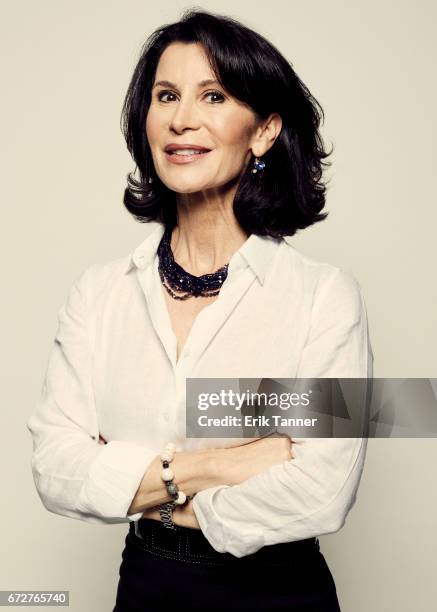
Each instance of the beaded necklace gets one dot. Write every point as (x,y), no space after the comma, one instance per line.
(175,278)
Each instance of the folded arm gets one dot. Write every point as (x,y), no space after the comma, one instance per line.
(76,471)
(75,476)
(311,494)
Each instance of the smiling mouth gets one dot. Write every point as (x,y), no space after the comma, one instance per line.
(187,152)
(185,156)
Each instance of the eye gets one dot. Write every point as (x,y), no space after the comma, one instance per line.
(217,94)
(164,93)
(162,96)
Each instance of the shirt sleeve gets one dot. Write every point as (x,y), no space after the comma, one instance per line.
(74,475)
(311,494)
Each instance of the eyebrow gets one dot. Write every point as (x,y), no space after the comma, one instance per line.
(172,85)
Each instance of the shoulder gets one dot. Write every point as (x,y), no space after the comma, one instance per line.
(97,277)
(326,282)
(109,274)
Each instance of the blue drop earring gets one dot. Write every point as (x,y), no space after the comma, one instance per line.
(258,165)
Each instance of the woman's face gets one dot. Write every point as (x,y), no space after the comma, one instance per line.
(187,110)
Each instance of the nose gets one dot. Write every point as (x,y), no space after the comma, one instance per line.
(185,116)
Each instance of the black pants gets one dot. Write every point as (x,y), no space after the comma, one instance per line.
(163,569)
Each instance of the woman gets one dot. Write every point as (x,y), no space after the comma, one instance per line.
(225,138)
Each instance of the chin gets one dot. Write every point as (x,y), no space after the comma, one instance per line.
(188,187)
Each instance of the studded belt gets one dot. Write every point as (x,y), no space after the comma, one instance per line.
(191,546)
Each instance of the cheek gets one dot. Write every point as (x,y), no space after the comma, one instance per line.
(152,128)
(234,134)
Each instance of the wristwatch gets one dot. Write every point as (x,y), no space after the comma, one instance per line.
(166,513)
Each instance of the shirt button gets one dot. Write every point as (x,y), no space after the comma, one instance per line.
(187,353)
(165,416)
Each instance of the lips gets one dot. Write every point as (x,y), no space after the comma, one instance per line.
(190,156)
(185,149)
(186,152)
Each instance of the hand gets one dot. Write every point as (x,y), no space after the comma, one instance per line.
(182,515)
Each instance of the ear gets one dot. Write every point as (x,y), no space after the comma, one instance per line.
(266,134)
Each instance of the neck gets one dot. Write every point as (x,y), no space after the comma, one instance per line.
(207,233)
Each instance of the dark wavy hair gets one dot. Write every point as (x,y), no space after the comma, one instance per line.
(289,193)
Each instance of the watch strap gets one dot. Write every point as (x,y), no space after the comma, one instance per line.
(166,513)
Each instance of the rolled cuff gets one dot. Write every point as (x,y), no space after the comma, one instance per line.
(113,480)
(222,539)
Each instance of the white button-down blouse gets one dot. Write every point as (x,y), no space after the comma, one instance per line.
(112,371)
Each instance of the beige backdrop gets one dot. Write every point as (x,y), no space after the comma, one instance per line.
(371,64)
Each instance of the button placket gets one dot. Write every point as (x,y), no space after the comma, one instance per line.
(182,372)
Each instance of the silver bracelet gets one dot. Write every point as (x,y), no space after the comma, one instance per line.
(166,513)
(179,497)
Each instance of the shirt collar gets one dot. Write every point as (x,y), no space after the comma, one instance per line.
(256,251)
(145,252)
